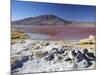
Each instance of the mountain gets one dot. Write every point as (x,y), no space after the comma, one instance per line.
(41,20)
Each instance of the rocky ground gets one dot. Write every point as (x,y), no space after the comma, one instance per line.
(32,56)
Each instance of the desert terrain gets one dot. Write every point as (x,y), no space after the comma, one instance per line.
(37,45)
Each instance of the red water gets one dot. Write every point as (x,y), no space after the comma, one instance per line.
(61,32)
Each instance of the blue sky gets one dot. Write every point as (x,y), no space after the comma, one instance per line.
(21,9)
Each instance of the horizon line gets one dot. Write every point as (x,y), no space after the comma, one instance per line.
(50,14)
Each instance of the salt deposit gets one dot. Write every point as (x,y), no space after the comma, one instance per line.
(47,56)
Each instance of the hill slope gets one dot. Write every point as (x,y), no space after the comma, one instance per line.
(42,20)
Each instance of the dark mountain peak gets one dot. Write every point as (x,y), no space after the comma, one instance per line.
(49,17)
(42,20)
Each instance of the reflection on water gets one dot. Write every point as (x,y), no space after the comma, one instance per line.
(38,36)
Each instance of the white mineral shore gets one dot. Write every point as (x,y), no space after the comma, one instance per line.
(36,63)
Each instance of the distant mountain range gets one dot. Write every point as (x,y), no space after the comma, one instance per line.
(42,20)
(48,20)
